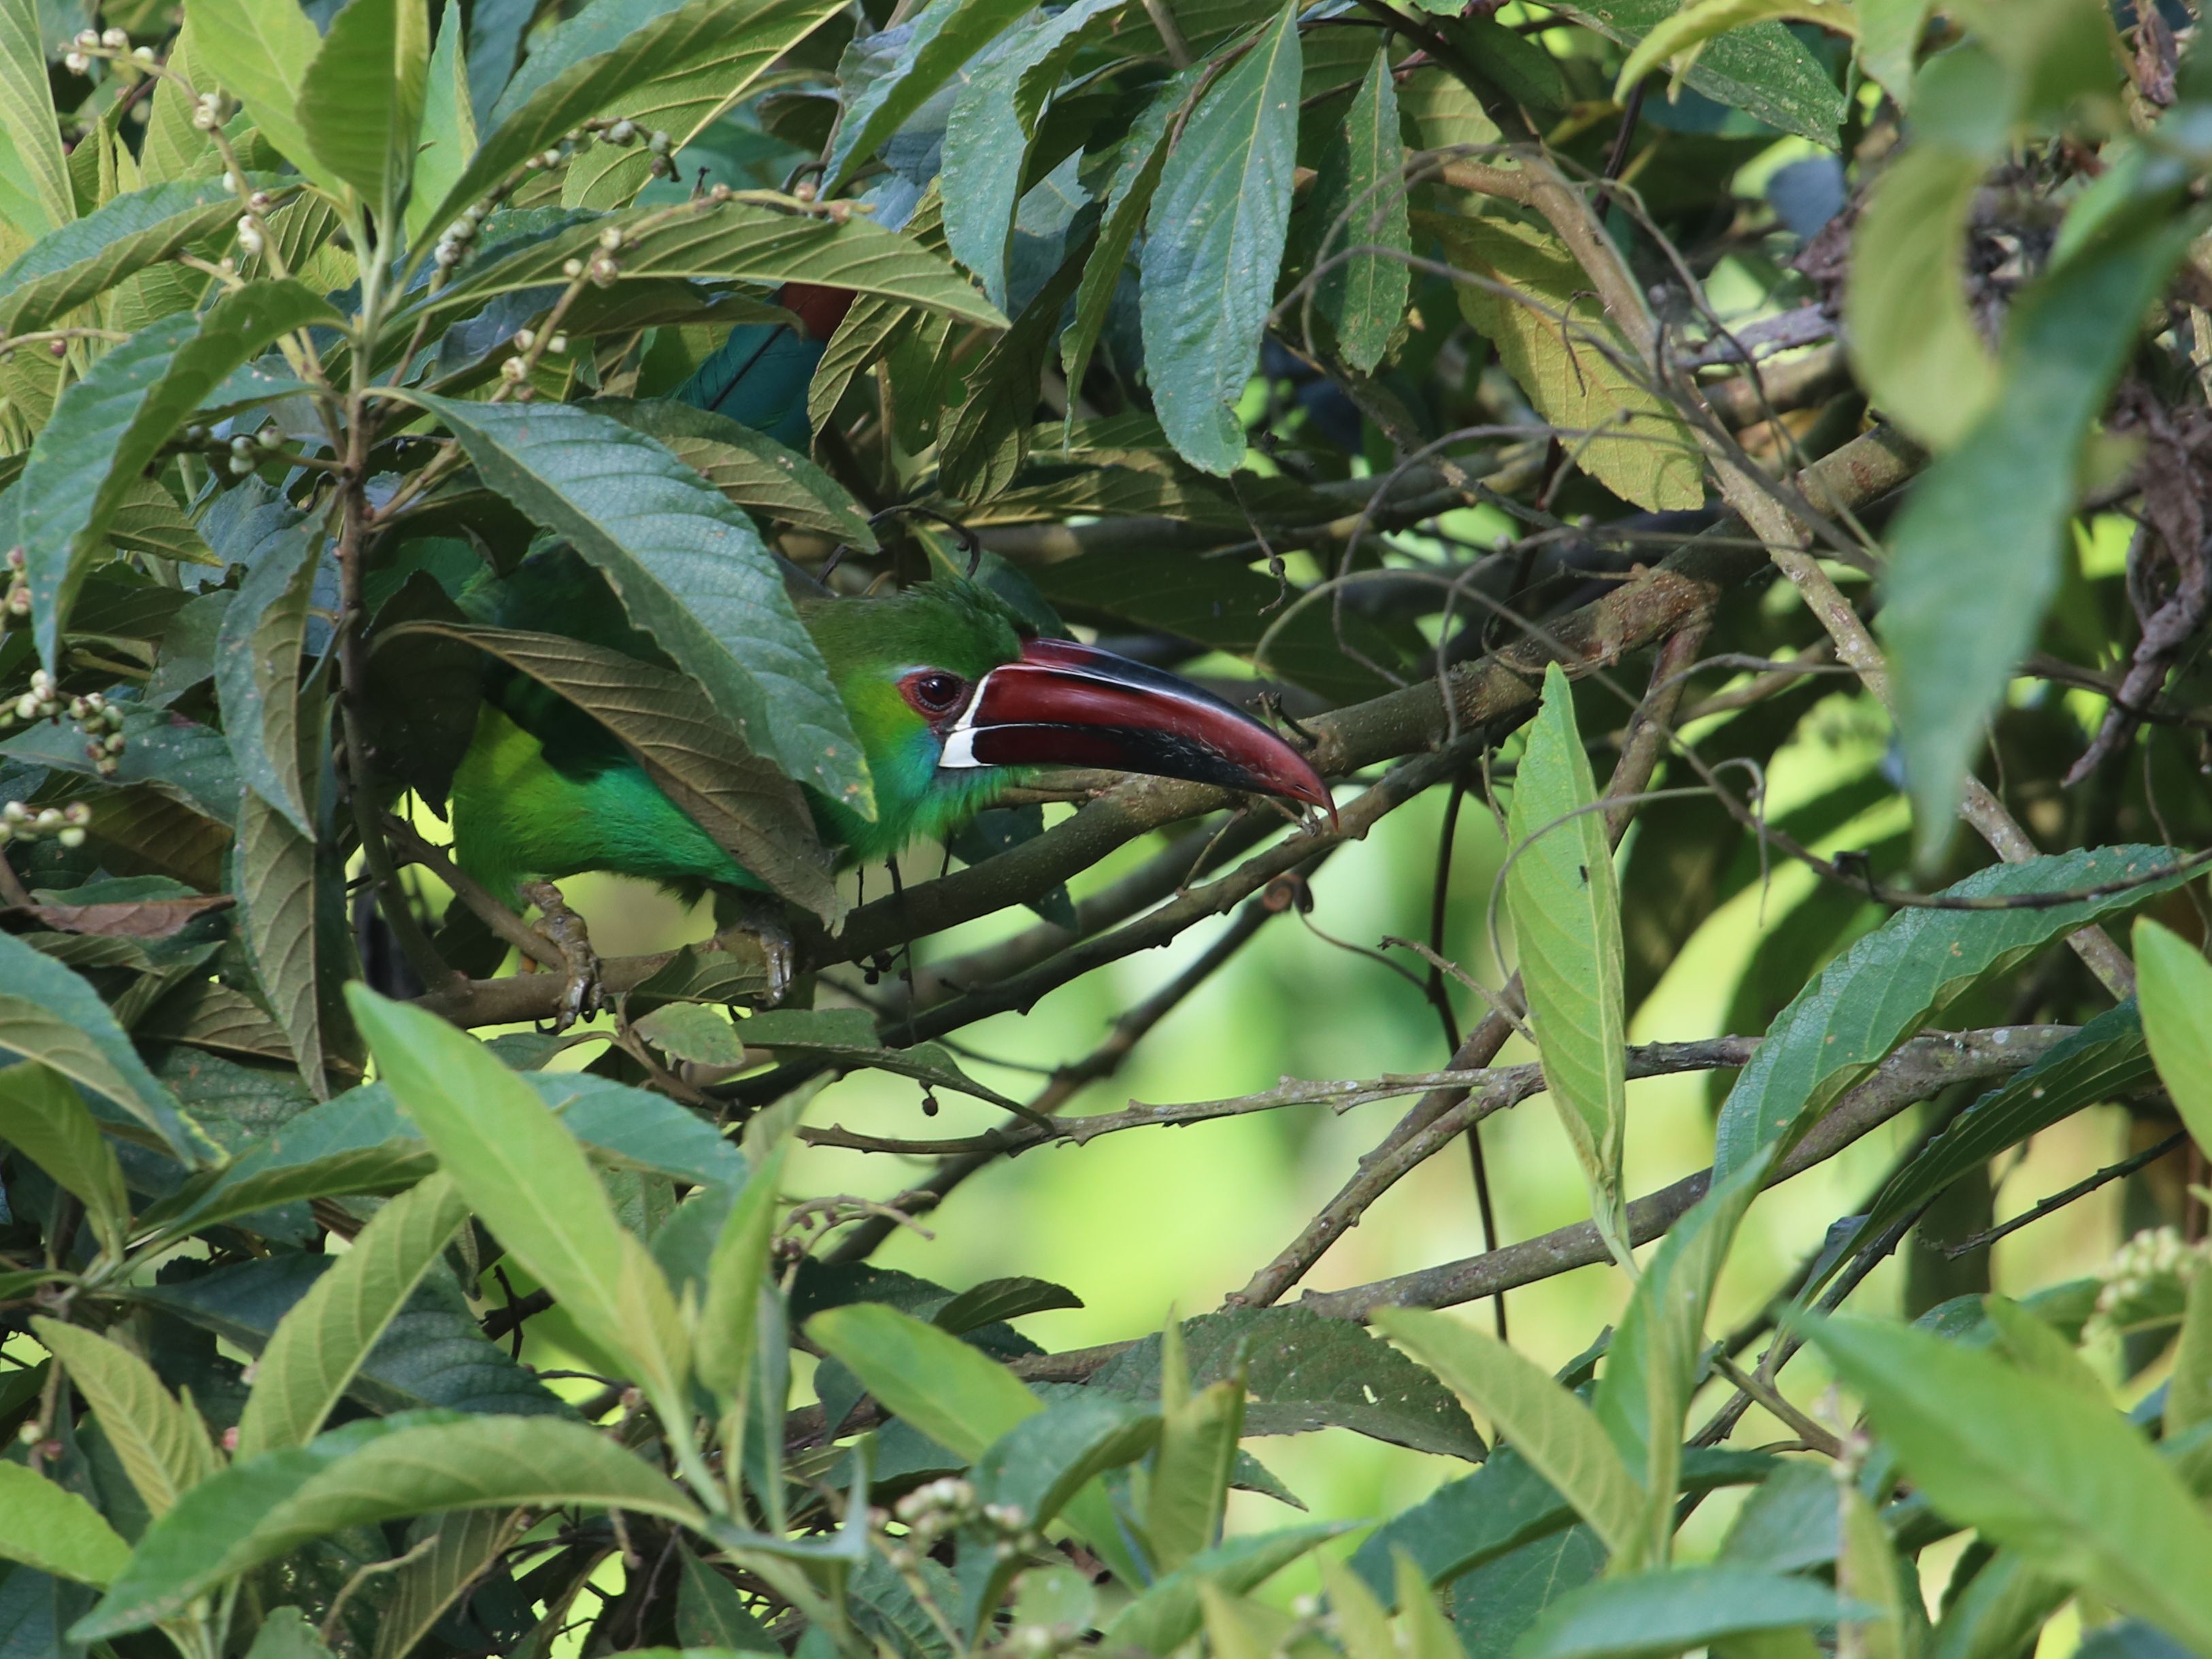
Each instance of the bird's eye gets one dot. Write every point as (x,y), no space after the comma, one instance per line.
(933,691)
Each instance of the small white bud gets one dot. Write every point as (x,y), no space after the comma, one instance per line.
(658,143)
(71,838)
(524,339)
(612,239)
(230,181)
(115,39)
(571,268)
(513,369)
(76,62)
(624,131)
(240,465)
(552,158)
(143,54)
(557,344)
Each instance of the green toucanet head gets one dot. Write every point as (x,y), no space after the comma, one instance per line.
(954,700)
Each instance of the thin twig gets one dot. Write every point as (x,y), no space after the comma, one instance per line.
(2059,1201)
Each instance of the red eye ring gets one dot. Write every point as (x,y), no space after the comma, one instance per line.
(934,692)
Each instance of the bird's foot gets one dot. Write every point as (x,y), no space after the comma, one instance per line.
(764,921)
(564,929)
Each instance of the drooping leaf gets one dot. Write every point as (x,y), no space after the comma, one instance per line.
(689,568)
(1914,341)
(163,1442)
(1534,302)
(987,138)
(1128,199)
(2074,1487)
(943,38)
(375,1470)
(749,467)
(1892,982)
(1215,237)
(1553,1430)
(1560,892)
(257,673)
(361,99)
(42,1116)
(1685,36)
(315,1351)
(47,1527)
(728,1326)
(1190,1473)
(106,427)
(49,1014)
(1362,186)
(1975,554)
(985,441)
(2176,1021)
(1302,1372)
(1763,70)
(842,1036)
(752,811)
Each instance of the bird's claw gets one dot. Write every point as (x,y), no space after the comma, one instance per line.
(582,996)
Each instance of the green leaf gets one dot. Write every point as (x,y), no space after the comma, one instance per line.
(313,1354)
(273,873)
(449,127)
(49,1527)
(1975,555)
(841,1036)
(986,441)
(2102,1061)
(260,50)
(730,242)
(2072,1486)
(1684,37)
(1914,343)
(523,1172)
(257,672)
(1302,1372)
(161,1441)
(2189,1384)
(1167,1614)
(944,37)
(996,1300)
(709,1613)
(2176,994)
(957,1395)
(987,137)
(1889,40)
(361,99)
(107,427)
(752,811)
(1214,241)
(1533,300)
(1764,71)
(1553,1430)
(42,1116)
(727,1329)
(86,257)
(432,1356)
(749,467)
(286,1634)
(1361,197)
(1516,1590)
(688,568)
(1896,980)
(1652,1369)
(33,167)
(732,44)
(366,1472)
(1560,892)
(1670,1612)
(464,1544)
(1141,159)
(1190,1472)
(49,1014)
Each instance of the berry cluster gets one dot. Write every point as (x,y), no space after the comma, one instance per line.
(99,720)
(621,132)
(113,44)
(64,823)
